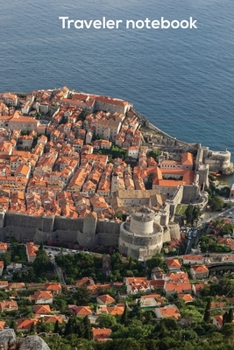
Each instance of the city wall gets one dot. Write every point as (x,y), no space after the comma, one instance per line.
(32,228)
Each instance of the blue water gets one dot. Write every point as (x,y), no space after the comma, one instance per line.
(182,80)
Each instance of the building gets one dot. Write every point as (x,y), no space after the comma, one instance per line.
(3,248)
(24,325)
(31,251)
(42,309)
(168,311)
(81,311)
(182,286)
(107,129)
(1,267)
(140,236)
(101,334)
(136,284)
(42,297)
(199,272)
(105,299)
(173,265)
(218,321)
(8,305)
(54,288)
(193,259)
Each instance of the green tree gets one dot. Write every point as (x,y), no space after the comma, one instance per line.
(189,214)
(41,263)
(6,258)
(227,229)
(106,321)
(82,296)
(207,311)
(192,214)
(88,330)
(154,153)
(216,203)
(56,327)
(196,213)
(136,311)
(124,317)
(230,316)
(228,330)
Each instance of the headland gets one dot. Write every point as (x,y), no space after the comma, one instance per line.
(74,166)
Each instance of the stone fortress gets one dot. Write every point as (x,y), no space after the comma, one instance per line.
(150,213)
(141,236)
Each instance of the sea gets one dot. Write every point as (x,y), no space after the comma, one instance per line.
(180,79)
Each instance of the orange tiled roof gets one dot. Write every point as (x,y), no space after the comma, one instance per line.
(200,268)
(8,305)
(173,263)
(106,299)
(41,295)
(187,298)
(187,158)
(101,334)
(170,311)
(115,310)
(2,325)
(53,286)
(26,324)
(219,320)
(41,309)
(52,319)
(32,249)
(193,257)
(82,310)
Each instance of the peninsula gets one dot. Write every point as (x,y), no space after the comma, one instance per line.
(78,167)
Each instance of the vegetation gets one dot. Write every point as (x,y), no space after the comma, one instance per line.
(216,203)
(136,328)
(114,152)
(192,214)
(154,153)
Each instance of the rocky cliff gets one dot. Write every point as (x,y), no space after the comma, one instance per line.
(9,341)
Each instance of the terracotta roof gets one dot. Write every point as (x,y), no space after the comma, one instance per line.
(173,263)
(26,324)
(157,283)
(41,309)
(8,305)
(106,299)
(16,285)
(169,311)
(3,246)
(187,158)
(53,286)
(219,320)
(178,286)
(116,310)
(52,319)
(101,334)
(41,295)
(187,298)
(193,257)
(2,325)
(199,268)
(32,249)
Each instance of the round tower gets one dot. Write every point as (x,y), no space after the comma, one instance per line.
(141,236)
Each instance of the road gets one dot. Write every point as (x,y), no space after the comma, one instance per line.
(58,271)
(211,216)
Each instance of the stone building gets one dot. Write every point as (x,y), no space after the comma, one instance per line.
(140,236)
